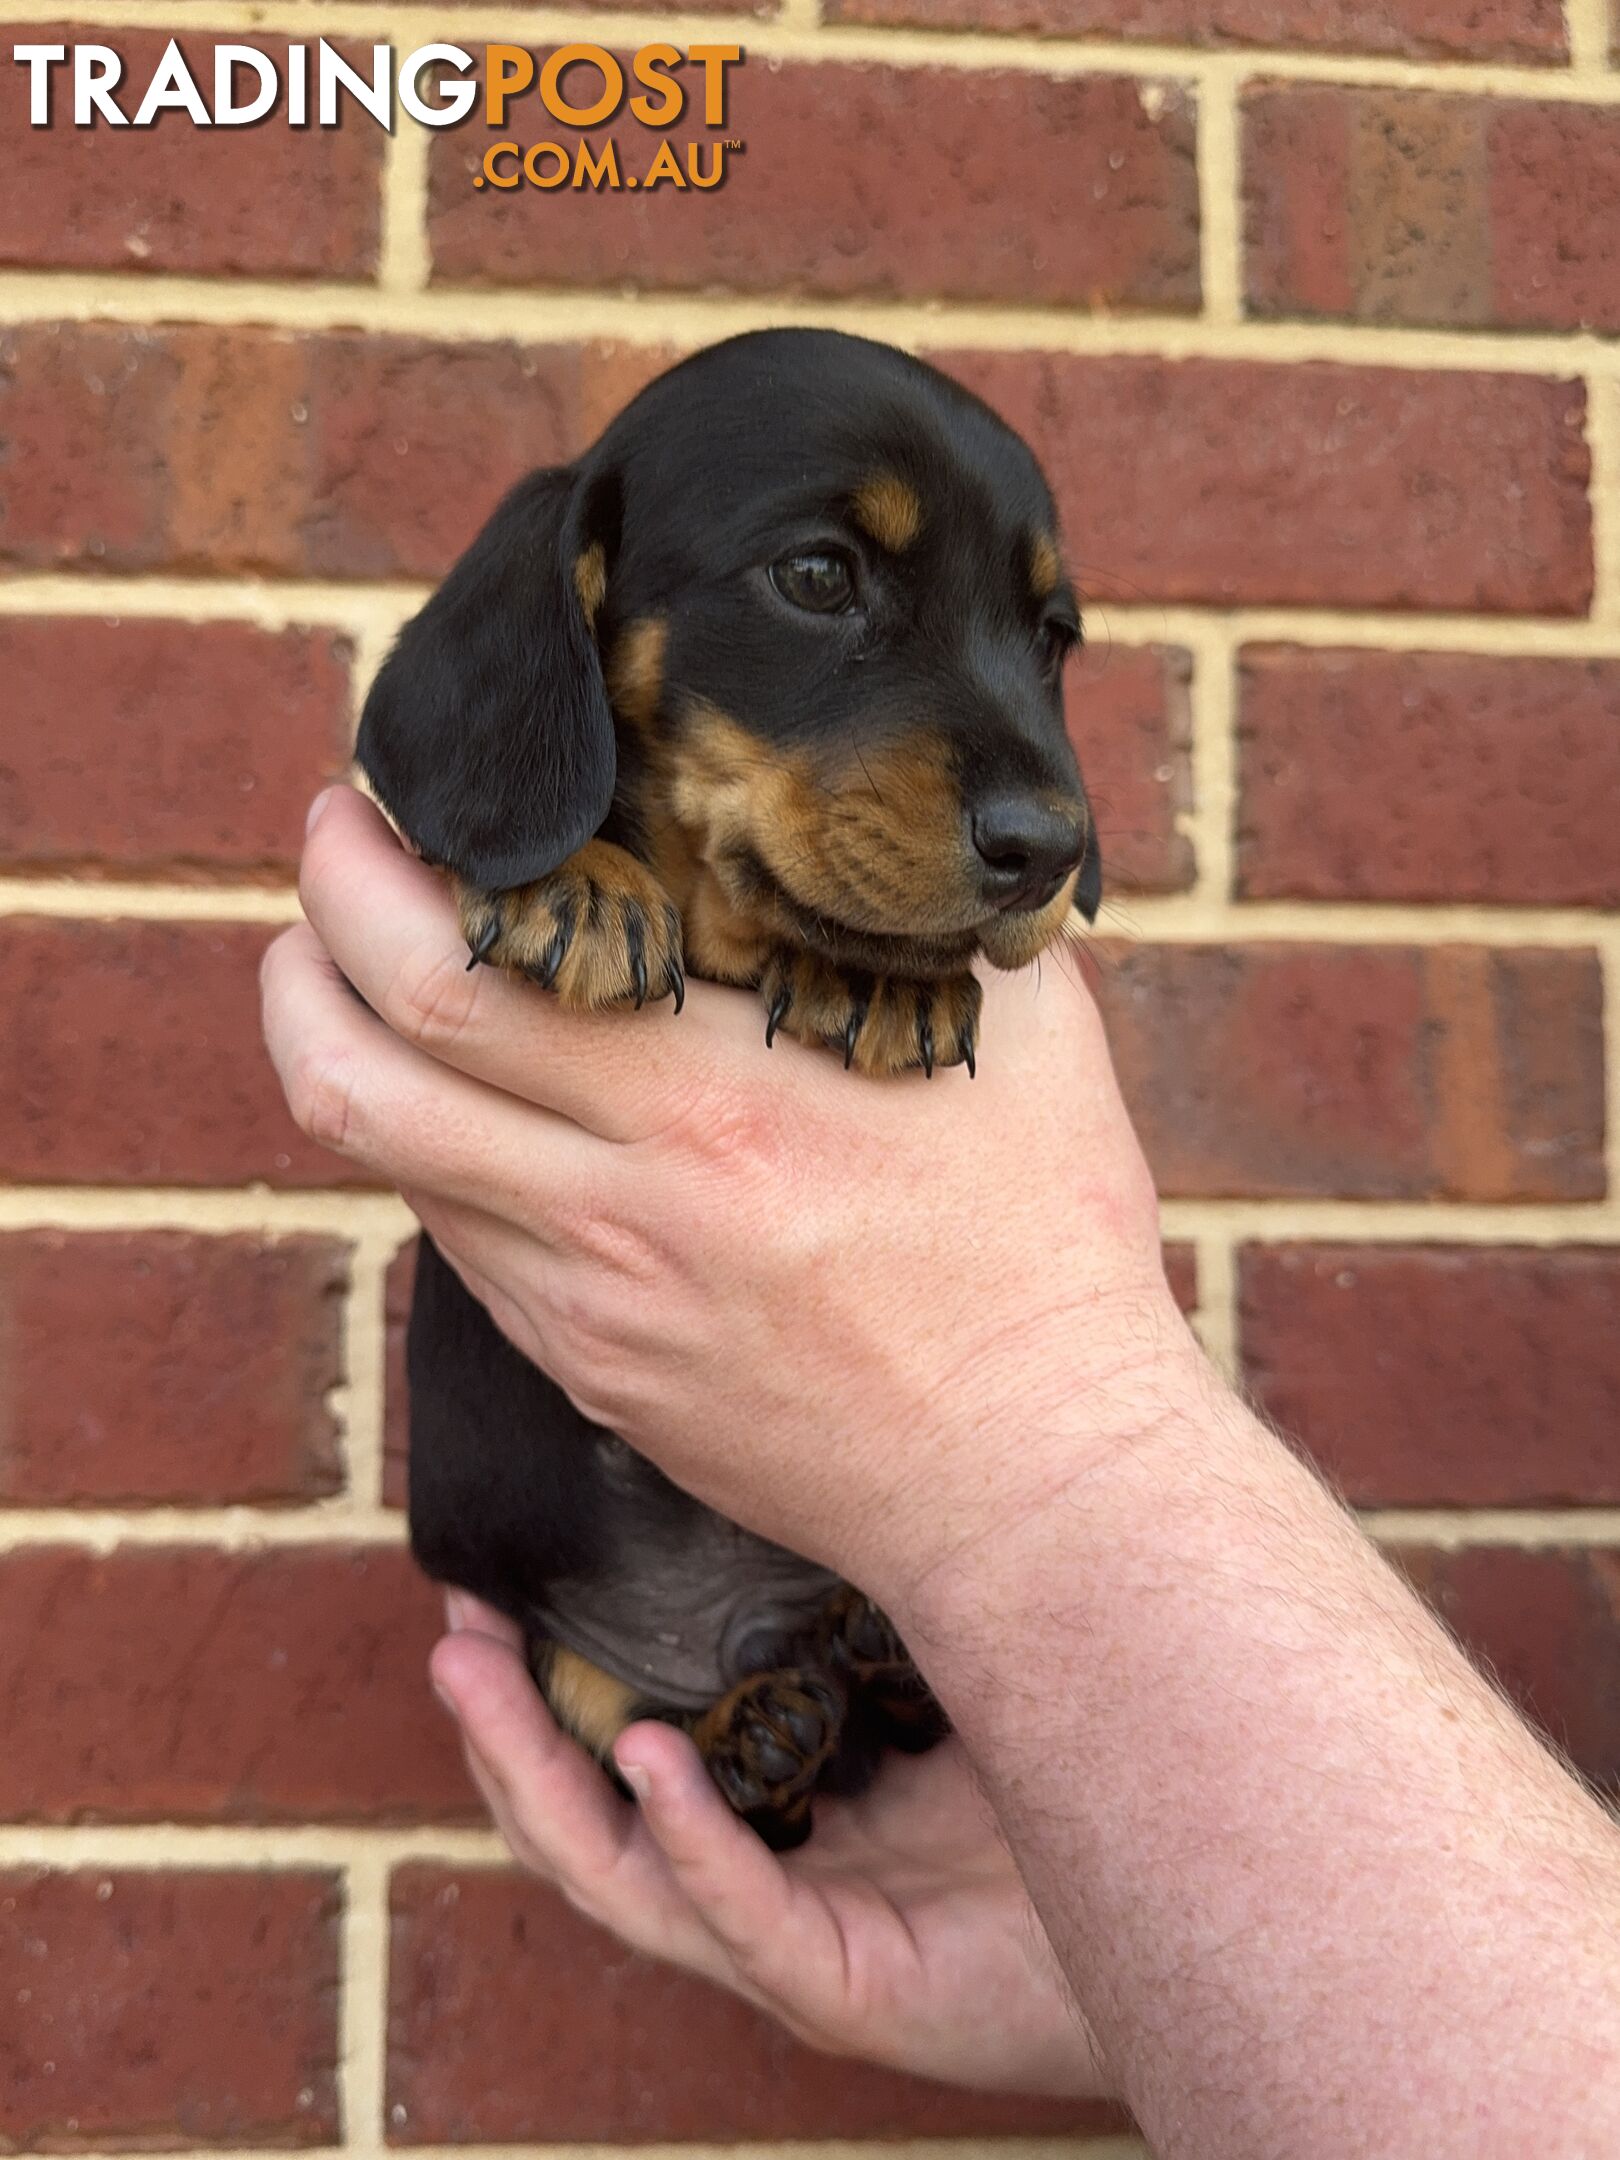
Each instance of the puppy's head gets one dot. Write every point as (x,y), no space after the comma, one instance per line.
(818,587)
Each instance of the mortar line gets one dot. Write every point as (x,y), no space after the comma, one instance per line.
(363,1999)
(541,315)
(797,34)
(1393,1222)
(1220,196)
(404,261)
(365,1334)
(92,900)
(1529,1529)
(1213,759)
(1603,443)
(1588,28)
(341,1521)
(1217,1310)
(211,1210)
(370,614)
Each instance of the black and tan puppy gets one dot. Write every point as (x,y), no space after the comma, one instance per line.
(766,686)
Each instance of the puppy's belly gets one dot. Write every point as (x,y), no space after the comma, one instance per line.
(693,1608)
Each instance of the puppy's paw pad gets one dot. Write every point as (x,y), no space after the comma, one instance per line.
(599,930)
(879,1024)
(766,1745)
(864,1647)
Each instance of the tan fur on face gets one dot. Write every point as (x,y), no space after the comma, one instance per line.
(889,510)
(1014,940)
(1044,567)
(590,580)
(876,843)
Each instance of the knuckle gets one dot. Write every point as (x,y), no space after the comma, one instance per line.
(323,1096)
(431,998)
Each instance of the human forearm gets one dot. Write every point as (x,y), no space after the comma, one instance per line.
(1319,1890)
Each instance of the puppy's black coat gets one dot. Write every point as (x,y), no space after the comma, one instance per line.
(766,685)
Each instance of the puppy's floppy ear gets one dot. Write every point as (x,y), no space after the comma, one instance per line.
(487,734)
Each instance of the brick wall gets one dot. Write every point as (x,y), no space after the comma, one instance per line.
(1304,303)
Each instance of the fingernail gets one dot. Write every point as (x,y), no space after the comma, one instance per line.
(637,1779)
(315,809)
(456,1615)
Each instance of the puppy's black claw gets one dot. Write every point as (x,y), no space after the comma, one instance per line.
(635,939)
(677,983)
(552,959)
(638,974)
(925,1041)
(486,939)
(852,1033)
(967,1057)
(777,1014)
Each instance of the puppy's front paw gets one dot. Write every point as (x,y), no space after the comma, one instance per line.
(879,1024)
(599,930)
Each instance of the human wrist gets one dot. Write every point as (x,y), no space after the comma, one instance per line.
(1071,1446)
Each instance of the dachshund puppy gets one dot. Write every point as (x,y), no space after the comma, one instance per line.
(765,686)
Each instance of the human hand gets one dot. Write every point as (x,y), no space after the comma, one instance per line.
(923,1303)
(900,1934)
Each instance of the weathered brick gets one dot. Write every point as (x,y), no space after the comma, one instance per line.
(1528,30)
(148,2011)
(1234,483)
(189,747)
(258,201)
(1442,1376)
(187,1684)
(142,1062)
(968,185)
(242,450)
(513,2021)
(1427,776)
(1200,480)
(1547,1623)
(1130,718)
(396,1400)
(158,1366)
(1415,207)
(1362,1072)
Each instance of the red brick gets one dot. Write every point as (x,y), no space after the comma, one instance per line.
(512,2020)
(142,1063)
(154,2011)
(1413,207)
(1427,776)
(968,185)
(1530,30)
(1232,483)
(1181,1270)
(1200,480)
(192,747)
(1547,1624)
(1362,1072)
(1442,1376)
(258,201)
(187,1684)
(319,455)
(1130,719)
(396,1401)
(157,1366)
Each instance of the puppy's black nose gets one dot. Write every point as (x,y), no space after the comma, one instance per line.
(1026,849)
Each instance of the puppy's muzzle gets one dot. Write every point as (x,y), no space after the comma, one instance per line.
(1026,846)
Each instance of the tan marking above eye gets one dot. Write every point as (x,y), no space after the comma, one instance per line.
(889,510)
(1045,569)
(590,579)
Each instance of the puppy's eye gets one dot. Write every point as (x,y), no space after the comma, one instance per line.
(821,581)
